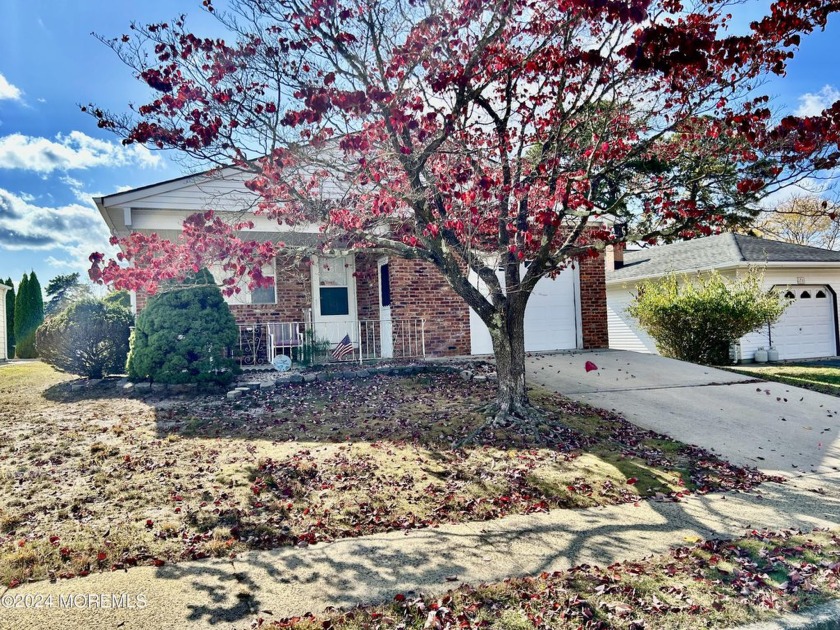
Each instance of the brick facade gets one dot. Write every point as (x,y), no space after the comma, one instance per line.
(367,287)
(593,303)
(419,290)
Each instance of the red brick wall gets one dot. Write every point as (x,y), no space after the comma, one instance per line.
(367,287)
(419,290)
(593,303)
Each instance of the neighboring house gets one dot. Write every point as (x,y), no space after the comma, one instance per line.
(388,306)
(809,276)
(4,351)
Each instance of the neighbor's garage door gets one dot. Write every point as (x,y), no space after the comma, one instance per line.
(806,329)
(550,319)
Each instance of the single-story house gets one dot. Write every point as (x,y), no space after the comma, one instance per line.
(4,351)
(809,276)
(389,307)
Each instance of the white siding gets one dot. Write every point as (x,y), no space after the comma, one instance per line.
(624,331)
(3,349)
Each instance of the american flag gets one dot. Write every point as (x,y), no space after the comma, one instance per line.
(344,347)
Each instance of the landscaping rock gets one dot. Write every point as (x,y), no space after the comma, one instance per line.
(295,378)
(94,381)
(159,387)
(142,387)
(310,378)
(466,375)
(128,387)
(492,377)
(234,393)
(480,378)
(363,373)
(266,385)
(252,386)
(323,377)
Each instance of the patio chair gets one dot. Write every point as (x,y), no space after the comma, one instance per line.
(284,338)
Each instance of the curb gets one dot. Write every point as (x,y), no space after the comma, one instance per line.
(822,617)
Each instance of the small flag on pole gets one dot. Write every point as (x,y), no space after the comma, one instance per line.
(344,347)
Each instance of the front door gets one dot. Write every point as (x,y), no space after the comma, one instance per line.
(334,312)
(386,329)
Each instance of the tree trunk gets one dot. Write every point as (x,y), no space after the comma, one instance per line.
(509,348)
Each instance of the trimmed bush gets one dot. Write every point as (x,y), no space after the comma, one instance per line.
(88,338)
(698,320)
(183,335)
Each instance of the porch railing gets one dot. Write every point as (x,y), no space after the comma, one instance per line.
(307,342)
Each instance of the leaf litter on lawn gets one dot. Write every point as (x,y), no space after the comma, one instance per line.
(107,483)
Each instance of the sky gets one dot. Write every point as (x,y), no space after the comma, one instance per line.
(54,159)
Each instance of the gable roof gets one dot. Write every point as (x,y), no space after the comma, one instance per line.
(714,252)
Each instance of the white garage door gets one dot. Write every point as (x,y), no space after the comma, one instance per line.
(806,329)
(550,319)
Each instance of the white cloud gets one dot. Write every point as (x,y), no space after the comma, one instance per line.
(70,232)
(73,151)
(8,91)
(813,103)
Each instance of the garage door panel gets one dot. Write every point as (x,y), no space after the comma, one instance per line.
(806,329)
(550,318)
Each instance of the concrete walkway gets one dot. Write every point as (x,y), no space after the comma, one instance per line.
(292,581)
(777,428)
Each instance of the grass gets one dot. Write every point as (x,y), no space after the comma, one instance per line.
(710,584)
(817,378)
(92,482)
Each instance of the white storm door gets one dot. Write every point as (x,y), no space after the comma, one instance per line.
(334,308)
(386,327)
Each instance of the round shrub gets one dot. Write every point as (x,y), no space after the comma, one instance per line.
(89,338)
(183,336)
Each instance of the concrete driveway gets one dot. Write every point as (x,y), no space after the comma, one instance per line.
(777,428)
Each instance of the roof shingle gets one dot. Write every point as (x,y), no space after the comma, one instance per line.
(713,252)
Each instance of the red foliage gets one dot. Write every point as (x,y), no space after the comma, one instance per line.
(471,133)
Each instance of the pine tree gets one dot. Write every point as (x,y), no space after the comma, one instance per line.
(29,314)
(20,315)
(10,318)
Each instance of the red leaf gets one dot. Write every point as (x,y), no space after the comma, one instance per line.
(631,481)
(590,366)
(399,597)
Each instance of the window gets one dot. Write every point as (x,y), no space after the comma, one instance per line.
(789,295)
(804,295)
(385,284)
(264,295)
(820,294)
(333,286)
(257,295)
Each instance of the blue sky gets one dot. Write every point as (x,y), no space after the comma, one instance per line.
(53,158)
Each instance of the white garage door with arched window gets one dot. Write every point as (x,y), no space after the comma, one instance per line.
(806,330)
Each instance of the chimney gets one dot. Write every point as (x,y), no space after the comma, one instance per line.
(614,257)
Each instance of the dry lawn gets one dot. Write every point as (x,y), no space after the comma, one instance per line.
(93,481)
